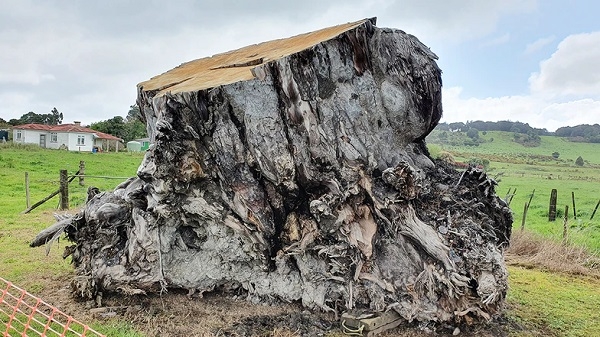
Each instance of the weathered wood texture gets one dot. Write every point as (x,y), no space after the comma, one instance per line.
(308,180)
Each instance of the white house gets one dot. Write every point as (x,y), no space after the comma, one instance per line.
(73,137)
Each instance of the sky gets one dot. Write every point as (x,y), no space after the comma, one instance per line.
(536,62)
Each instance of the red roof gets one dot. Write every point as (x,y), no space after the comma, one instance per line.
(66,128)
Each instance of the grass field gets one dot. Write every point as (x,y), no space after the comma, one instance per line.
(28,267)
(540,302)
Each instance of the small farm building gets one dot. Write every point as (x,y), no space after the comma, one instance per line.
(73,137)
(134,146)
(145,143)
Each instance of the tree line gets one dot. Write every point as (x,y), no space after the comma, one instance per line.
(580,133)
(52,118)
(507,126)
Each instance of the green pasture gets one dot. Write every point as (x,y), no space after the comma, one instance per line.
(43,167)
(31,268)
(526,169)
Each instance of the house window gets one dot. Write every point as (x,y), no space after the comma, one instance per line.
(80,140)
(19,135)
(53,137)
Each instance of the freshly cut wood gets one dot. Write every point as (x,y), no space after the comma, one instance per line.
(296,170)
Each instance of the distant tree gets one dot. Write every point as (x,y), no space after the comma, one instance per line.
(52,118)
(457,126)
(579,161)
(473,133)
(114,126)
(135,123)
(125,128)
(443,126)
(134,113)
(55,117)
(31,118)
(555,155)
(580,133)
(530,139)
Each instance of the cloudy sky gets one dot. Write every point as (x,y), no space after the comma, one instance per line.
(521,60)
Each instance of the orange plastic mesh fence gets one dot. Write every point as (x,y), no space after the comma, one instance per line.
(22,314)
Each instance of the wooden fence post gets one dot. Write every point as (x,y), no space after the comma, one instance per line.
(507,195)
(595,209)
(552,210)
(512,196)
(574,209)
(81,172)
(530,198)
(27,189)
(524,216)
(566,220)
(64,190)
(525,209)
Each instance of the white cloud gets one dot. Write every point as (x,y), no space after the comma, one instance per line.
(451,20)
(538,44)
(573,70)
(535,110)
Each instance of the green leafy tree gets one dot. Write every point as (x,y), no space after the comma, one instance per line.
(135,124)
(31,117)
(473,133)
(4,124)
(134,113)
(114,126)
(53,118)
(579,161)
(125,128)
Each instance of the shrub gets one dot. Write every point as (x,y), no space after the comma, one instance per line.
(473,133)
(579,161)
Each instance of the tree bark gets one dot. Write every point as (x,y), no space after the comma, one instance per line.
(310,181)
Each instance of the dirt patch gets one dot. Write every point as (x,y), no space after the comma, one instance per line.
(218,314)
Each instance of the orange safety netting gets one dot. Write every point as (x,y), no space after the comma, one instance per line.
(22,314)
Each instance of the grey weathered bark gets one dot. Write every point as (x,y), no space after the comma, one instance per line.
(296,170)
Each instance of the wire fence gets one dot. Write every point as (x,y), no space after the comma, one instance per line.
(23,314)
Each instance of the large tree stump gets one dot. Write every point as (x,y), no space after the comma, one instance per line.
(296,170)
